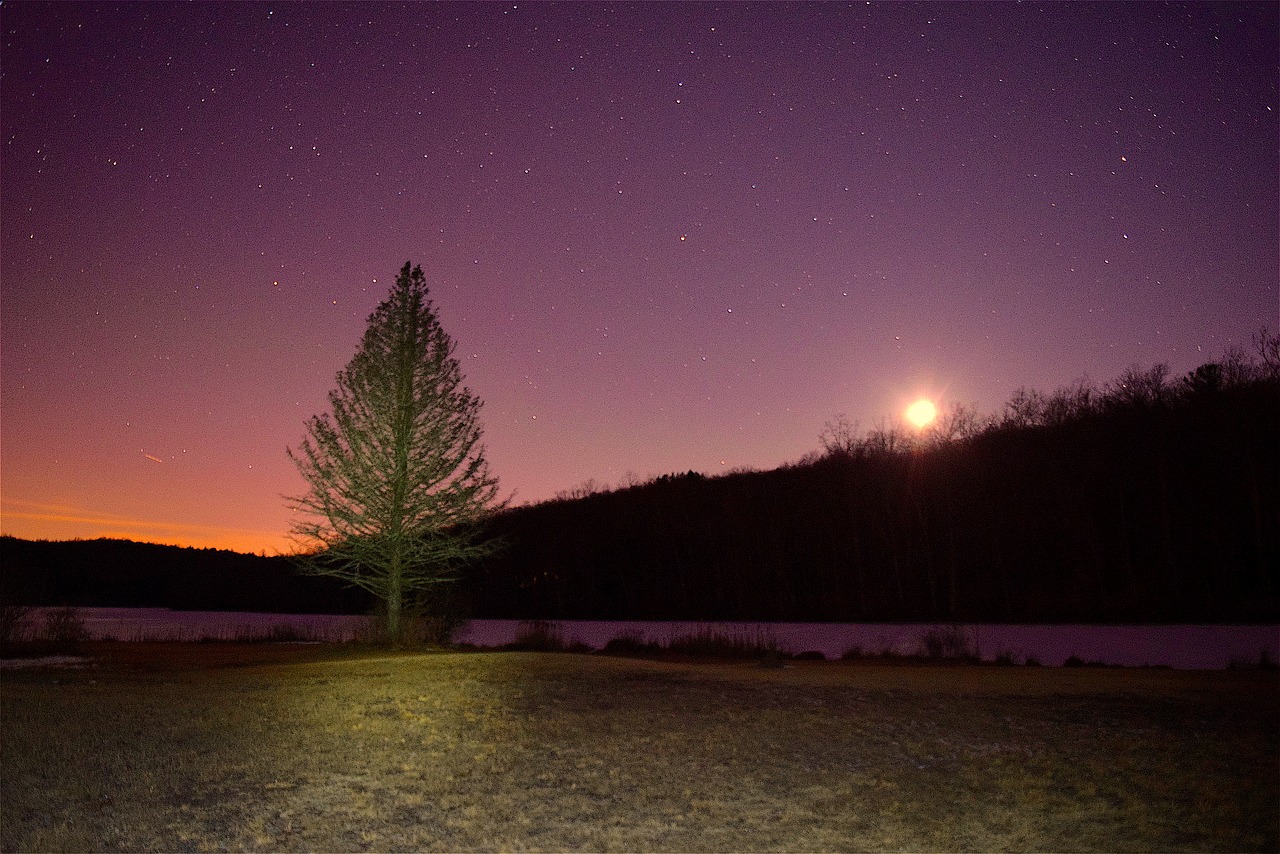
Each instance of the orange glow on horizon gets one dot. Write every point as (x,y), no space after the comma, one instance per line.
(37,521)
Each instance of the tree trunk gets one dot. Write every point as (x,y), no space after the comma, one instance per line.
(394,600)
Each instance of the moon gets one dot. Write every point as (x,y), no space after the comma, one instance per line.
(921,413)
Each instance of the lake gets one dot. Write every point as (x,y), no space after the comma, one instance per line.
(1184,647)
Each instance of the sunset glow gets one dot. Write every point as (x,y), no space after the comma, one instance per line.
(36,521)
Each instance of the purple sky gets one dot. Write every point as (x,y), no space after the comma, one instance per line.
(664,236)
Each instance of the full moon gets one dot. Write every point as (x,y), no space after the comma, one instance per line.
(921,413)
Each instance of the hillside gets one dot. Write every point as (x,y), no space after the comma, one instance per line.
(1149,501)
(122,573)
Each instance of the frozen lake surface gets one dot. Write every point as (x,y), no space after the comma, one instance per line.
(1186,647)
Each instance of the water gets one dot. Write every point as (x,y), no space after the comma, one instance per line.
(1184,647)
(161,624)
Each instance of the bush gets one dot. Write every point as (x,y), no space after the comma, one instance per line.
(435,619)
(424,621)
(12,622)
(632,643)
(852,653)
(433,629)
(1264,661)
(810,655)
(947,642)
(708,643)
(64,628)
(539,636)
(773,660)
(279,633)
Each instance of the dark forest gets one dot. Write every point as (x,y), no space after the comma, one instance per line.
(1150,500)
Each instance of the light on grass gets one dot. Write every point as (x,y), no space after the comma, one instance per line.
(921,413)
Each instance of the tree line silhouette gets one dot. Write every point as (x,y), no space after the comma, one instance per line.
(1148,499)
(114,573)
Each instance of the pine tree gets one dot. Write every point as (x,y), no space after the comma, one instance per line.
(397,474)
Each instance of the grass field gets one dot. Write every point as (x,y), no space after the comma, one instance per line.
(275,747)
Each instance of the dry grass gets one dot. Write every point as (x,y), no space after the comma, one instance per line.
(263,747)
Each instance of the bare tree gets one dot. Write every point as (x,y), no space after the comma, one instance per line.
(1069,403)
(1024,409)
(955,422)
(1267,346)
(885,440)
(839,436)
(398,477)
(586,489)
(1141,388)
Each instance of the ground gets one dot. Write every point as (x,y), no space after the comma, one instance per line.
(276,747)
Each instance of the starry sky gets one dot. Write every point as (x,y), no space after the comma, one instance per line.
(663,236)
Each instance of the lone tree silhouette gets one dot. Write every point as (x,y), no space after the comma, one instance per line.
(397,472)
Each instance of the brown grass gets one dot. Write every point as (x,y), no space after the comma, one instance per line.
(260,747)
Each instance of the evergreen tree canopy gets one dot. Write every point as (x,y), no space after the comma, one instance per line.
(397,474)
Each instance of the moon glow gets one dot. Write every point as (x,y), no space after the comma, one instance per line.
(921,413)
